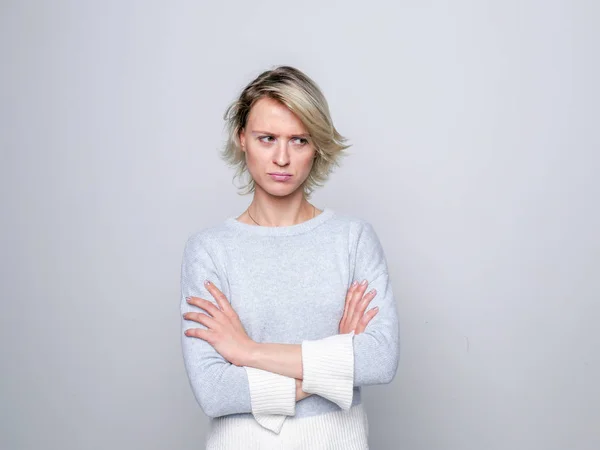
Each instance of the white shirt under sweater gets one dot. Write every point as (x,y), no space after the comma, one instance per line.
(288,285)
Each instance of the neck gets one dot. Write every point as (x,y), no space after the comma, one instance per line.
(272,211)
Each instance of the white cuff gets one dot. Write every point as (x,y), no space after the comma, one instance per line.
(328,368)
(272,396)
(272,422)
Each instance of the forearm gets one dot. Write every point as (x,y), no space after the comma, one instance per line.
(376,351)
(219,387)
(376,356)
(283,359)
(323,367)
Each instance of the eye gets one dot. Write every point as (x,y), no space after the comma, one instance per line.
(266,139)
(300,141)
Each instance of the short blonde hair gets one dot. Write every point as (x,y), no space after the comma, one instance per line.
(302,96)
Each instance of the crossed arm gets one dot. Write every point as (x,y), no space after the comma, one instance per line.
(229,373)
(225,332)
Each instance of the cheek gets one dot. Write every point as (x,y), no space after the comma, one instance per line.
(254,157)
(306,162)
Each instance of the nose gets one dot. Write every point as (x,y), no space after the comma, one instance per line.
(281,156)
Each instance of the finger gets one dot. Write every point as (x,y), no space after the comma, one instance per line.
(360,308)
(362,305)
(202,318)
(356,297)
(199,333)
(206,305)
(218,296)
(222,300)
(349,296)
(364,321)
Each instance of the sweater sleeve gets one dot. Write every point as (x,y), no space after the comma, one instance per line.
(222,388)
(273,397)
(334,365)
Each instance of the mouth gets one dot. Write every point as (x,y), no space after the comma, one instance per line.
(280,176)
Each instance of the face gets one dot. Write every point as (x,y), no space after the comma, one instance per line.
(279,150)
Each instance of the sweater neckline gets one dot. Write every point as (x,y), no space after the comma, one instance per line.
(288,230)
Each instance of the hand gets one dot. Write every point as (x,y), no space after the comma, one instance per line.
(225,331)
(354,317)
(300,394)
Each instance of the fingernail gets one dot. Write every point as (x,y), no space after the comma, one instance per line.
(373,291)
(206,282)
(376,308)
(188,299)
(363,282)
(354,283)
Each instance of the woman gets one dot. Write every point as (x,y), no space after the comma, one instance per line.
(276,335)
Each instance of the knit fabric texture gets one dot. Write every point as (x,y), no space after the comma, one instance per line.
(288,285)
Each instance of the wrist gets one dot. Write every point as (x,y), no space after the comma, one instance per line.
(298,389)
(300,394)
(250,354)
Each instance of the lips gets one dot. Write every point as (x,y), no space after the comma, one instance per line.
(280,176)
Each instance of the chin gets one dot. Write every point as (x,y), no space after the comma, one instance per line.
(280,190)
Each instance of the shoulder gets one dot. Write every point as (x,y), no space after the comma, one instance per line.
(209,239)
(364,243)
(367,258)
(358,228)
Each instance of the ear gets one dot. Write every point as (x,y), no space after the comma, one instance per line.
(242,138)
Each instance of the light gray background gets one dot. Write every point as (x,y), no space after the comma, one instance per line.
(475,156)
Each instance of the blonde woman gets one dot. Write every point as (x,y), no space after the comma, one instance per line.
(287,309)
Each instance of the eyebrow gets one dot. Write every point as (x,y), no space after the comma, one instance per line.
(304,135)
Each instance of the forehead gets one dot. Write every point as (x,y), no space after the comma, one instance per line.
(268,114)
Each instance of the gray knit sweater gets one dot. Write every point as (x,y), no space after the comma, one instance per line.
(288,285)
